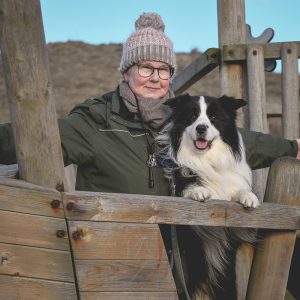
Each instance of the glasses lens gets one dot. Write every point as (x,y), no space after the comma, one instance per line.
(164,73)
(145,71)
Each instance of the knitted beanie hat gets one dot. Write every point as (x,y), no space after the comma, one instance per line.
(148,42)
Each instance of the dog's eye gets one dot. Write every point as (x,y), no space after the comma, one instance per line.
(212,118)
(193,118)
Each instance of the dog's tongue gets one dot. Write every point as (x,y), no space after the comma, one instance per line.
(201,144)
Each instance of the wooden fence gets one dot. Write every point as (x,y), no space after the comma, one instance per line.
(74,245)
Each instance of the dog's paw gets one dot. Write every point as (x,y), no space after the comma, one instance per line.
(198,193)
(248,199)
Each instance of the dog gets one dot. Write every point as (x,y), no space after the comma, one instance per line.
(208,162)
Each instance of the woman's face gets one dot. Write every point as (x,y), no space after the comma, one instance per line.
(148,87)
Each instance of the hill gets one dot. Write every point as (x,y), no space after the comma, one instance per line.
(79,71)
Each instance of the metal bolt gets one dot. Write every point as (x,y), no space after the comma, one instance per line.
(230,52)
(76,235)
(60,233)
(55,203)
(70,206)
(214,55)
(3,260)
(60,187)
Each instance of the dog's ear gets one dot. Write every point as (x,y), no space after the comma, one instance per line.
(233,102)
(177,101)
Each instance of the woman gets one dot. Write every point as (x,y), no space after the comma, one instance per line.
(111,138)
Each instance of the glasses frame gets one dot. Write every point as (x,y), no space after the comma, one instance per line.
(171,70)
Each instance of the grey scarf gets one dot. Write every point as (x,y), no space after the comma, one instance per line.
(153,111)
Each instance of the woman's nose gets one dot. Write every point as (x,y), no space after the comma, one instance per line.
(154,76)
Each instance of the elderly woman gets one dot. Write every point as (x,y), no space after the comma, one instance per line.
(111,138)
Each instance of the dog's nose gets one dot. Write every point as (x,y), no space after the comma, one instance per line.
(201,128)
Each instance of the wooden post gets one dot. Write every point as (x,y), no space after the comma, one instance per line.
(232,30)
(273,255)
(29,90)
(39,154)
(290,91)
(257,107)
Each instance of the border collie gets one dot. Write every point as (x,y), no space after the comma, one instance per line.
(209,162)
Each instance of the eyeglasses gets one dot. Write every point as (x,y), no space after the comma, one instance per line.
(163,73)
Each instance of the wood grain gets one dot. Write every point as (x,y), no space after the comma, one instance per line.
(17,288)
(124,275)
(129,296)
(238,52)
(269,274)
(30,94)
(32,262)
(290,91)
(100,240)
(205,63)
(30,230)
(175,210)
(30,199)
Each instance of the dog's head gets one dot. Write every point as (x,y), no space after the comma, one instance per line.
(203,119)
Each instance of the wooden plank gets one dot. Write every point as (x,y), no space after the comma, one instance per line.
(18,288)
(39,263)
(238,52)
(98,240)
(290,91)
(45,202)
(257,107)
(176,210)
(30,230)
(129,295)
(273,255)
(124,275)
(30,94)
(196,70)
(232,30)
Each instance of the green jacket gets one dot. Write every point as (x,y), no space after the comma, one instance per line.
(108,144)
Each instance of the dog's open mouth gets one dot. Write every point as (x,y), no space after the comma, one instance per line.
(202,144)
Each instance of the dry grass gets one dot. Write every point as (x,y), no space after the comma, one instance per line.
(81,71)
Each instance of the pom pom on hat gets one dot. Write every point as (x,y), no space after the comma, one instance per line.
(152,20)
(148,42)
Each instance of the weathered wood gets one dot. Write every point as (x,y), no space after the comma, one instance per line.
(32,262)
(31,230)
(232,30)
(129,295)
(124,275)
(290,90)
(91,206)
(19,196)
(257,106)
(32,106)
(18,288)
(196,70)
(36,134)
(273,255)
(237,52)
(99,240)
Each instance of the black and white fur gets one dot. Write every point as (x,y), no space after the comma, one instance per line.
(210,163)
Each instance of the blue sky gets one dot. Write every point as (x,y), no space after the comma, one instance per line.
(189,23)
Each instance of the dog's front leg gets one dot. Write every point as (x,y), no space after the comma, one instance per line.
(247,198)
(196,192)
